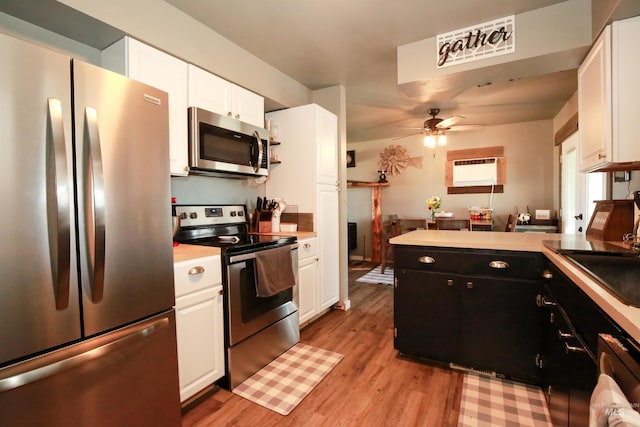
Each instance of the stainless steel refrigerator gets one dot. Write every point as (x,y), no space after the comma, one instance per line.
(87,327)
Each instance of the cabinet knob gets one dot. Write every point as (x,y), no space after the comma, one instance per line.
(449,282)
(500,265)
(573,349)
(196,270)
(306,245)
(426,260)
(564,335)
(229,114)
(602,156)
(547,274)
(237,116)
(469,285)
(543,301)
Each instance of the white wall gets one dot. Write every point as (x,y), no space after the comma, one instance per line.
(528,148)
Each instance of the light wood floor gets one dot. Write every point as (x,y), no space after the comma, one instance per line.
(371,386)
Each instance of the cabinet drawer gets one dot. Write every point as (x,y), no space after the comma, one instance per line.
(196,274)
(307,248)
(504,264)
(426,258)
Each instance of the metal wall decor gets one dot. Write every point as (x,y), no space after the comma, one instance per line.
(394,159)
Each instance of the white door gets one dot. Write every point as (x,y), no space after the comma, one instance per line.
(579,190)
(572,213)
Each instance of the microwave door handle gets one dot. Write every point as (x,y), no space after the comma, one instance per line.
(94,204)
(58,194)
(256,167)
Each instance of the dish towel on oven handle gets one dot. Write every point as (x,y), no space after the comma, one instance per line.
(610,407)
(274,271)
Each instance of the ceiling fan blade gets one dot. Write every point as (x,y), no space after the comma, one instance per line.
(405,136)
(461,128)
(405,127)
(449,121)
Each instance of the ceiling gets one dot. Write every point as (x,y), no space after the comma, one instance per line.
(353,43)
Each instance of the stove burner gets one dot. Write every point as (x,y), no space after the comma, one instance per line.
(223,226)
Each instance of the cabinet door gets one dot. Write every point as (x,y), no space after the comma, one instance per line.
(307,288)
(500,329)
(169,74)
(247,106)
(556,367)
(326,147)
(200,338)
(209,92)
(594,104)
(426,314)
(328,237)
(156,68)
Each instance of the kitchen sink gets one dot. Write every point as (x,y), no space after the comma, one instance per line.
(620,274)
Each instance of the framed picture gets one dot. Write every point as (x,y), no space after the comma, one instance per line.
(351,158)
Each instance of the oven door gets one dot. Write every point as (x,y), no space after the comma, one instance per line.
(247,314)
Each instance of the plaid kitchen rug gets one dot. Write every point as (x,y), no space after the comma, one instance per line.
(283,383)
(375,276)
(490,402)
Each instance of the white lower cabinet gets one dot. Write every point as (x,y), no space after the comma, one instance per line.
(306,293)
(199,324)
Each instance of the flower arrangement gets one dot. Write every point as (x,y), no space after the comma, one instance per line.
(433,203)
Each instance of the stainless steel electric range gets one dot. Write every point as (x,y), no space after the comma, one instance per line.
(257,329)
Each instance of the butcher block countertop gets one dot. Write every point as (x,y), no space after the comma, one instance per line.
(299,234)
(628,317)
(498,240)
(184,252)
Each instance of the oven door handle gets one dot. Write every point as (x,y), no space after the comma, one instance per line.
(245,257)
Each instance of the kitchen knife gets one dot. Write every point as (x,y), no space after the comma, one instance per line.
(259,204)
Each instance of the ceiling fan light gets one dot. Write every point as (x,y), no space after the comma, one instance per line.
(429,141)
(442,139)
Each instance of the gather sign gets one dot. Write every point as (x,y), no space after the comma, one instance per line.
(480,41)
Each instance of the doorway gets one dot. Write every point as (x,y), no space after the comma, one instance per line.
(579,190)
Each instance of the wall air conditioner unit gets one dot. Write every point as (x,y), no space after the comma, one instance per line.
(472,172)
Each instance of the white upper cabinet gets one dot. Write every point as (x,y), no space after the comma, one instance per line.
(607,96)
(156,68)
(217,95)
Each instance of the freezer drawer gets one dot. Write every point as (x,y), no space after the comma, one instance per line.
(126,377)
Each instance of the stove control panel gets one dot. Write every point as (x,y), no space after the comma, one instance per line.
(202,215)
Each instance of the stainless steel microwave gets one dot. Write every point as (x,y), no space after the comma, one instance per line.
(223,146)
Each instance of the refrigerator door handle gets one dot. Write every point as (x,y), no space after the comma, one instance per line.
(93,181)
(47,368)
(58,194)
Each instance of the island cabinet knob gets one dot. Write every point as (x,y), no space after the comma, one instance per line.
(547,274)
(426,260)
(573,349)
(469,285)
(499,264)
(449,282)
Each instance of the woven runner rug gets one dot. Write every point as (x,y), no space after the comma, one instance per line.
(491,402)
(374,276)
(283,383)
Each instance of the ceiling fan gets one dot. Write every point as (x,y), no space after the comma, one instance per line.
(435,128)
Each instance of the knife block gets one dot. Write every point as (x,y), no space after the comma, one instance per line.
(264,221)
